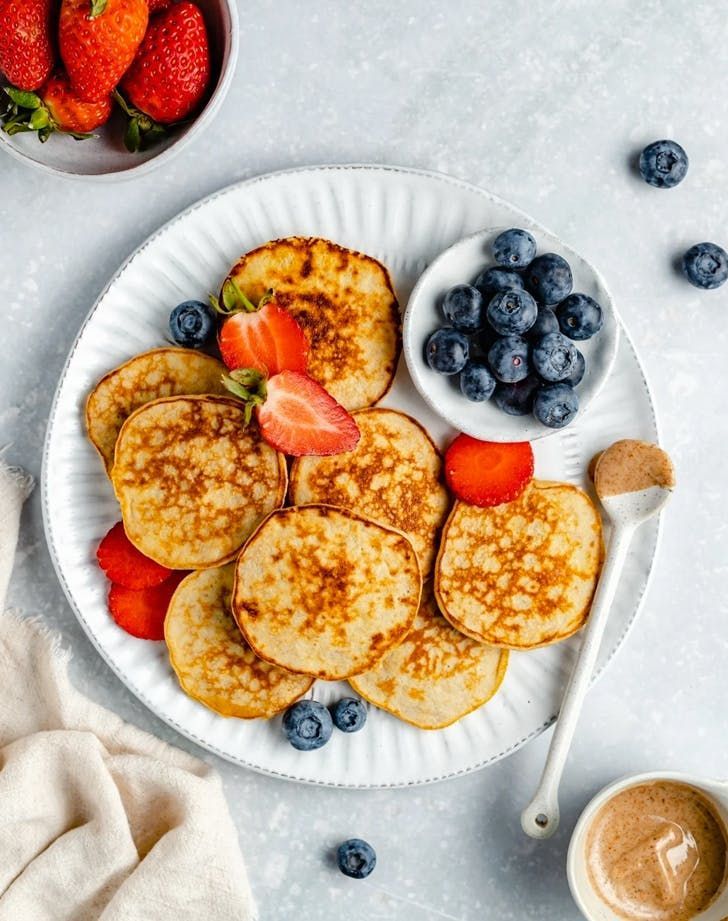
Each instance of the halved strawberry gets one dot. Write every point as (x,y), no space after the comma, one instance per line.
(488,473)
(266,337)
(295,414)
(141,612)
(127,566)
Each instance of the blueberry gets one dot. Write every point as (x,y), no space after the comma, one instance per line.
(549,278)
(706,265)
(516,399)
(496,279)
(554,357)
(192,324)
(577,375)
(307,725)
(555,405)
(663,164)
(356,858)
(476,381)
(514,248)
(463,307)
(447,350)
(349,714)
(512,311)
(508,359)
(579,316)
(546,323)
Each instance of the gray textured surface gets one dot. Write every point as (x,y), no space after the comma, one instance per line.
(545,104)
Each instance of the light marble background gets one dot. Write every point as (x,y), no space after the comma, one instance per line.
(545,104)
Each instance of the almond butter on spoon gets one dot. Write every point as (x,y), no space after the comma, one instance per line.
(633,479)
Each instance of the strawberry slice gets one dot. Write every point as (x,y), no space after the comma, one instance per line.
(127,566)
(141,612)
(266,338)
(299,417)
(487,473)
(295,414)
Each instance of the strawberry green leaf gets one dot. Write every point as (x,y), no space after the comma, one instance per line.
(133,136)
(23,99)
(97,8)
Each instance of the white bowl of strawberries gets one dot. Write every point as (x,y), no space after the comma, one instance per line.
(109,89)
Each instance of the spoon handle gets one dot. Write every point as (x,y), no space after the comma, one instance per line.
(540,818)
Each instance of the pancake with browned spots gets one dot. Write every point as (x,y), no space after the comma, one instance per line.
(436,675)
(212,661)
(394,475)
(322,591)
(193,480)
(346,305)
(160,373)
(522,574)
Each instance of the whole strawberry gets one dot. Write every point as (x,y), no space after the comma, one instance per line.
(98,40)
(55,107)
(26,48)
(170,74)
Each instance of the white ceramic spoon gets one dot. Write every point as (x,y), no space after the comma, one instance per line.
(633,480)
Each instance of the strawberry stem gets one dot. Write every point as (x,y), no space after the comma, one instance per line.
(247,385)
(141,130)
(235,301)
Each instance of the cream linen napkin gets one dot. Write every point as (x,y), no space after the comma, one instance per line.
(98,820)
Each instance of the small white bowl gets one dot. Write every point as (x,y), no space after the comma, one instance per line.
(588,902)
(104,158)
(461,263)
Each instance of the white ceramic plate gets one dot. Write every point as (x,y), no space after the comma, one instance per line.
(461,263)
(405,218)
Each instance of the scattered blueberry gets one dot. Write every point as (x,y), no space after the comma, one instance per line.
(546,323)
(577,375)
(356,858)
(476,381)
(463,307)
(192,324)
(495,279)
(349,714)
(706,265)
(579,316)
(508,359)
(307,725)
(554,357)
(555,405)
(663,164)
(447,350)
(549,278)
(514,248)
(516,399)
(512,311)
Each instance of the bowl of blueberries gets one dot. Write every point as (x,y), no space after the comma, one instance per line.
(509,335)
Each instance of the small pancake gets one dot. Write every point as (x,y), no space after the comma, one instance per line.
(150,376)
(211,659)
(345,303)
(193,480)
(394,476)
(522,574)
(436,675)
(321,591)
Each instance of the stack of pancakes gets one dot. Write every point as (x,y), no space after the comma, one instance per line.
(347,581)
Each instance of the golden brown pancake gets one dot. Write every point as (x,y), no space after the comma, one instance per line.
(160,373)
(394,476)
(346,305)
(193,480)
(211,659)
(521,574)
(436,675)
(324,592)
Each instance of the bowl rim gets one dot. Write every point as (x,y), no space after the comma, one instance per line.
(231,51)
(408,323)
